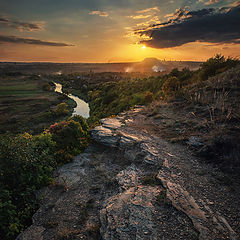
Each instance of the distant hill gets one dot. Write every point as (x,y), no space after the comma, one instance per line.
(156,65)
(147,65)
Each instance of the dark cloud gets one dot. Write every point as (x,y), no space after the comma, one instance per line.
(201,12)
(22,26)
(205,25)
(182,14)
(14,39)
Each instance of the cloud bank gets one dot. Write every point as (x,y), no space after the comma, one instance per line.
(19,40)
(184,26)
(22,26)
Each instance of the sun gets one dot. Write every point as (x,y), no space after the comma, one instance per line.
(143,47)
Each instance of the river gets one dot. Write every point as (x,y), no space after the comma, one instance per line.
(82,107)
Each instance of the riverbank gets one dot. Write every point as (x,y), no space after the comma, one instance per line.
(81,108)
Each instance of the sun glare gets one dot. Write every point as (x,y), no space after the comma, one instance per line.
(143,47)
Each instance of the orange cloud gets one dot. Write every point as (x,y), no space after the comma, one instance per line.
(148,10)
(140,16)
(211,2)
(99,13)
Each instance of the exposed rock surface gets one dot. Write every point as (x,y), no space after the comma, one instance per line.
(130,184)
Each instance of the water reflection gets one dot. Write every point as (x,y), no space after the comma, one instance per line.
(82,107)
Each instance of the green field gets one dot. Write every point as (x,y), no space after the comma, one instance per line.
(24,105)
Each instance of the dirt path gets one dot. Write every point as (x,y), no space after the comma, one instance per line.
(132,184)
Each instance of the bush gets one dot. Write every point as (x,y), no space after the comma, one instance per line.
(26,164)
(216,65)
(61,109)
(70,139)
(171,87)
(137,99)
(175,73)
(81,120)
(110,97)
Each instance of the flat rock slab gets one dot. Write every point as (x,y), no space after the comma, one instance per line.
(129,215)
(112,123)
(105,136)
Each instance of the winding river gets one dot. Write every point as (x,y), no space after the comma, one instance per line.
(82,107)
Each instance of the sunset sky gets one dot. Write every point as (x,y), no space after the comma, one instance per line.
(118,30)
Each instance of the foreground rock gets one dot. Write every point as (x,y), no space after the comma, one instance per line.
(130,184)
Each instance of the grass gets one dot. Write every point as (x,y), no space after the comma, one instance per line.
(218,102)
(25,106)
(26,87)
(22,93)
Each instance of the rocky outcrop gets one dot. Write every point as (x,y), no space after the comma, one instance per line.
(209,223)
(129,214)
(130,184)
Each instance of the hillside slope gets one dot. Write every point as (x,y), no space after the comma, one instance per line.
(132,184)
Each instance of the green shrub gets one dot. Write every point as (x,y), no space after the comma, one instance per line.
(216,65)
(70,139)
(81,120)
(26,164)
(171,87)
(137,99)
(61,109)
(109,98)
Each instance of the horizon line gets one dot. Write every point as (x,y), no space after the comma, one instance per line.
(162,60)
